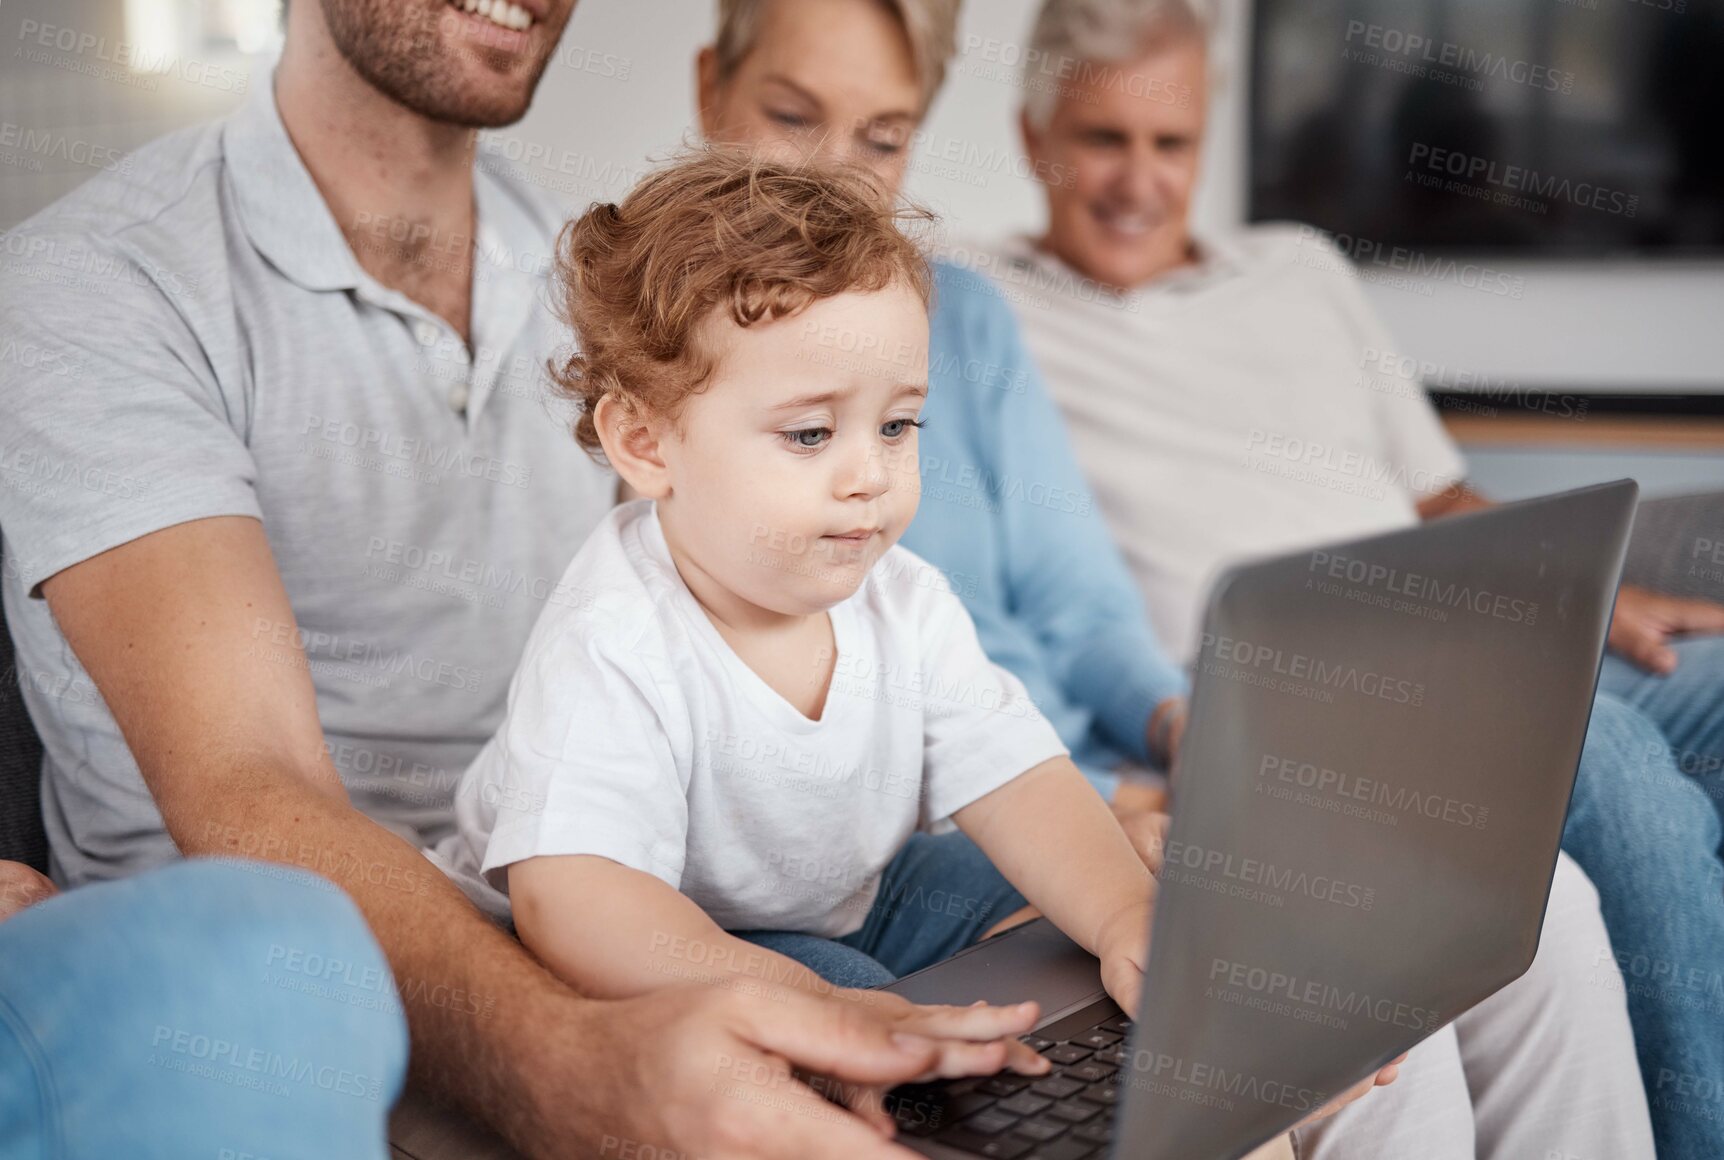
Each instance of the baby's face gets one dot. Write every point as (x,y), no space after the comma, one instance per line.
(797,468)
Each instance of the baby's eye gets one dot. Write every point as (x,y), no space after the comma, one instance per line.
(894,428)
(802,438)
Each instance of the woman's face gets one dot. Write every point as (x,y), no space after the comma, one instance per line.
(827,80)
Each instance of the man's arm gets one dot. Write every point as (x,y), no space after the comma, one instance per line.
(229,742)
(1645,622)
(223,724)
(21,888)
(613,930)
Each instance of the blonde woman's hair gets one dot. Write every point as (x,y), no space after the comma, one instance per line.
(931,26)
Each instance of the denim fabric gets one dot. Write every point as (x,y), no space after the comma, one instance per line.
(936,898)
(1687,707)
(1648,834)
(209,1008)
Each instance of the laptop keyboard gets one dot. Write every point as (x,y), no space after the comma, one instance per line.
(1064,1115)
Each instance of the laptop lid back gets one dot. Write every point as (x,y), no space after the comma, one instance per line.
(1370,797)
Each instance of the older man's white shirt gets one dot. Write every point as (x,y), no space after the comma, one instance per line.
(1248,404)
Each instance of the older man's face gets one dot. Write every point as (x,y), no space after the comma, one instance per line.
(1123,141)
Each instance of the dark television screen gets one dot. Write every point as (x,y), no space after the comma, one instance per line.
(1534,127)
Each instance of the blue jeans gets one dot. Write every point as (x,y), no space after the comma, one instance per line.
(936,897)
(210,1008)
(1647,825)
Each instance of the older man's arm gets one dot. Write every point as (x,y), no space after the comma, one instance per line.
(1645,621)
(228,739)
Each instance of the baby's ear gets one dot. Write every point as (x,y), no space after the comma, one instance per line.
(633,445)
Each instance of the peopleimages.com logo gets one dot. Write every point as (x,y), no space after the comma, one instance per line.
(1431,52)
(1315,671)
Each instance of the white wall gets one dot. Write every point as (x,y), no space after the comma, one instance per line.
(621,91)
(1619,325)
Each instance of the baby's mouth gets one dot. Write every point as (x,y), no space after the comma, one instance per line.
(856,538)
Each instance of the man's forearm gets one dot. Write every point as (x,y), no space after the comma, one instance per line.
(480,1009)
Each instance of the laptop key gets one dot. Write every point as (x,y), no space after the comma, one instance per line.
(1091,1072)
(1075,1111)
(1106,1094)
(967,1104)
(1098,1039)
(1113,1055)
(1067,1149)
(1024,1104)
(1005,1085)
(1056,1087)
(1122,1025)
(1004,1147)
(1067,1053)
(1042,1128)
(1100,1132)
(991,1122)
(1036,1042)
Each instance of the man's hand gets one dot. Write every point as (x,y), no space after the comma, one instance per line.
(974,1040)
(21,887)
(1645,621)
(712,1073)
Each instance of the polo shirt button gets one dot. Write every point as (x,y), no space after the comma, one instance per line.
(458,396)
(426,333)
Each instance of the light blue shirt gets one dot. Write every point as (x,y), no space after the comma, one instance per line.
(1007,515)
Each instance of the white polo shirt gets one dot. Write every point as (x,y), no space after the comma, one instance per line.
(190,335)
(1247,405)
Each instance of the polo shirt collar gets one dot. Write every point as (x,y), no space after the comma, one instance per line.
(279,204)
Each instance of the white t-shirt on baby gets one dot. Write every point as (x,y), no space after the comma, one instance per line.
(636,733)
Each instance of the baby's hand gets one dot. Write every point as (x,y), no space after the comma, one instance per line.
(1124,950)
(975,1040)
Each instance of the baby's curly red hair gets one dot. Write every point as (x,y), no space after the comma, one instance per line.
(718,229)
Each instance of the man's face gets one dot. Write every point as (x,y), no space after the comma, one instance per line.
(1129,136)
(462,62)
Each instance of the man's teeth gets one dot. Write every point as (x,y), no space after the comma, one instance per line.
(1126,223)
(499,12)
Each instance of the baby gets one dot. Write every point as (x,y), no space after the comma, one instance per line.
(730,737)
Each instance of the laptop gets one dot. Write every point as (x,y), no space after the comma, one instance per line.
(1368,803)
